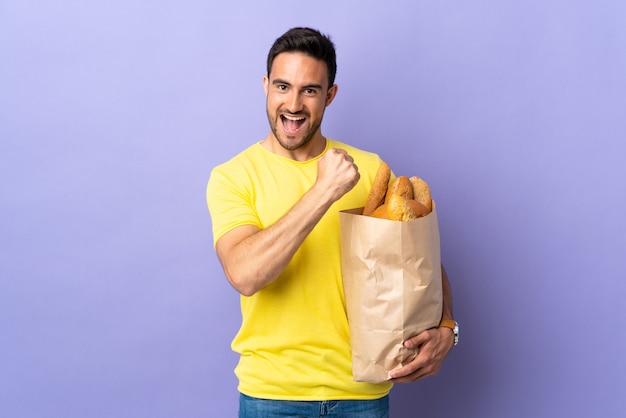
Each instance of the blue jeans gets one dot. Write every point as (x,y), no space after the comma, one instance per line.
(264,408)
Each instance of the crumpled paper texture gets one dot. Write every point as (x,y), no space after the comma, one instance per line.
(392,284)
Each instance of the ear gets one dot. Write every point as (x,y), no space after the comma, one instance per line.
(266,84)
(331,93)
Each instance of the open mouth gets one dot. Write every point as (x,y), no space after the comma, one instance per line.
(291,124)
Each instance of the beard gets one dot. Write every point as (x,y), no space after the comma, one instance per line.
(284,139)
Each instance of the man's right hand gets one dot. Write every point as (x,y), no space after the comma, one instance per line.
(337,173)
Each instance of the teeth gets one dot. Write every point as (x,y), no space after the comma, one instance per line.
(293,118)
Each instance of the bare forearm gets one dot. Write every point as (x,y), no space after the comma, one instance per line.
(447,312)
(260,257)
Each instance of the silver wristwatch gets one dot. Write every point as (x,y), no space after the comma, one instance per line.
(456,332)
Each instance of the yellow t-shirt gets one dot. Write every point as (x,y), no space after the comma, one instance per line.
(294,340)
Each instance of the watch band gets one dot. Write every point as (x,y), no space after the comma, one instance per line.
(448,323)
(453,325)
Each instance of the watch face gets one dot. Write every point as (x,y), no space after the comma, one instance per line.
(456,333)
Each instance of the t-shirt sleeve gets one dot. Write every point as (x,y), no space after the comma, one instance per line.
(230,203)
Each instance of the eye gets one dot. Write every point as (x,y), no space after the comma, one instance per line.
(310,92)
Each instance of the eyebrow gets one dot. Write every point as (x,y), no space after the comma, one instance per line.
(308,86)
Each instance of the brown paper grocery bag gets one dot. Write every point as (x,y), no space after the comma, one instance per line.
(392,283)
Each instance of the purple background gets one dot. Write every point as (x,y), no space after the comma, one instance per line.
(112,114)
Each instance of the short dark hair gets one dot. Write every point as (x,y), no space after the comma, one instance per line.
(310,42)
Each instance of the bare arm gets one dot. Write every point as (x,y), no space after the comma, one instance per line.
(433,345)
(447,296)
(252,258)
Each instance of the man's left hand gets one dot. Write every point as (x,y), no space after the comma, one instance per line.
(432,347)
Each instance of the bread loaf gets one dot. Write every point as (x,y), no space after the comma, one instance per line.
(398,208)
(421,192)
(377,193)
(400,185)
(418,209)
(403,199)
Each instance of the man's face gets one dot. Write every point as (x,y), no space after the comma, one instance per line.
(297,95)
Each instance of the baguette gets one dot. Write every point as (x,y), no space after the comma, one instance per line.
(421,192)
(400,208)
(402,199)
(400,185)
(377,193)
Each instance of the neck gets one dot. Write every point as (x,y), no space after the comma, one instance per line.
(306,152)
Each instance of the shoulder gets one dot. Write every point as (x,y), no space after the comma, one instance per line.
(241,165)
(242,158)
(233,174)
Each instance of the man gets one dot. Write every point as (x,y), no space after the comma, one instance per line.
(275,218)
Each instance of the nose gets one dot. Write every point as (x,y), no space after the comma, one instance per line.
(294,102)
